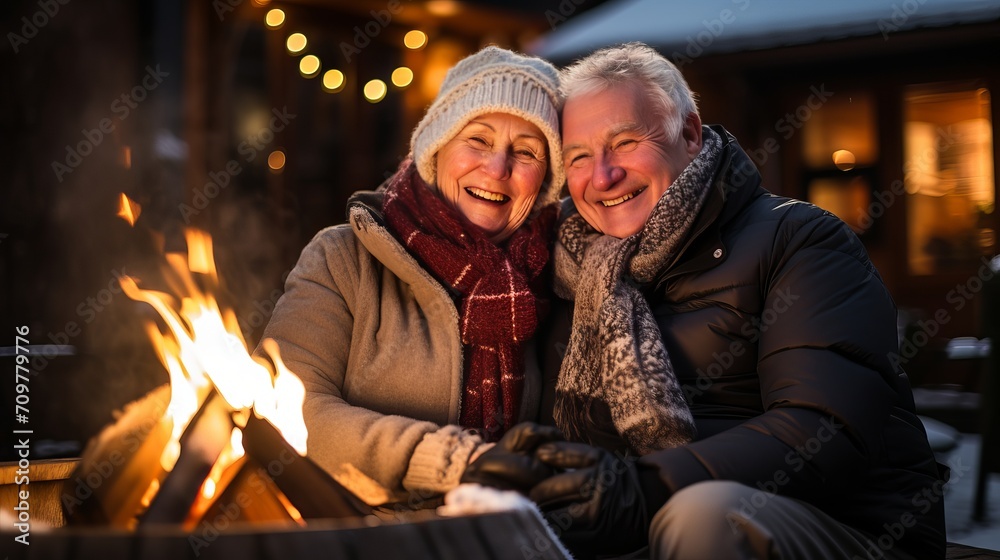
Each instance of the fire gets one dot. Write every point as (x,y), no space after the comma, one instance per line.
(203,350)
(230,455)
(128,209)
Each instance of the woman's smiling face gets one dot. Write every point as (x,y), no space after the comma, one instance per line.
(492,171)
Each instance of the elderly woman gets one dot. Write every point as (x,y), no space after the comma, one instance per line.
(410,327)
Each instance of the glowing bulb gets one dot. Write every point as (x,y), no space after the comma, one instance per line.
(275,18)
(415,39)
(333,81)
(443,8)
(844,160)
(375,90)
(296,42)
(276,160)
(309,66)
(402,77)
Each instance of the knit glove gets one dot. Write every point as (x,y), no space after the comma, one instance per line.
(596,504)
(511,464)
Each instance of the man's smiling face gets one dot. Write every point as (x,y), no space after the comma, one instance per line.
(619,157)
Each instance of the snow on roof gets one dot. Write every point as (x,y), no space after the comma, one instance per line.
(717,26)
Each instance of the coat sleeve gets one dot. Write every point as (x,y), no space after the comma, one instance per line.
(826,383)
(313,324)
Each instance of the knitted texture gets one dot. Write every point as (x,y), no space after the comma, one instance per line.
(493,80)
(440,458)
(616,360)
(498,292)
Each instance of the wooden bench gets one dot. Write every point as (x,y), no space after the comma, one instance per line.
(956,550)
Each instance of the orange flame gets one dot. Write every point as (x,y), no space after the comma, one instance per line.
(204,348)
(128,209)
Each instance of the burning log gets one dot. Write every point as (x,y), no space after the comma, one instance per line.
(120,465)
(313,492)
(202,444)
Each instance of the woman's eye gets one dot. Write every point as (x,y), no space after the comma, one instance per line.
(479,140)
(528,154)
(625,144)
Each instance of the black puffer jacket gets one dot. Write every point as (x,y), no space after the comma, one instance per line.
(781,331)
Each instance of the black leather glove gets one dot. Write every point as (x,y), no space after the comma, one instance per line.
(596,505)
(511,463)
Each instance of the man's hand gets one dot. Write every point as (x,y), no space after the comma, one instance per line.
(511,464)
(596,505)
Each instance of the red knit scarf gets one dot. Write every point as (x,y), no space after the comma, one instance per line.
(499,292)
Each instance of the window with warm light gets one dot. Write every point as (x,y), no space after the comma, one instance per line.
(839,153)
(948,176)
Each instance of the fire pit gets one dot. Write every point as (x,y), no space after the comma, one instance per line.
(226,433)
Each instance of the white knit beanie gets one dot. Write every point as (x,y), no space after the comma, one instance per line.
(493,80)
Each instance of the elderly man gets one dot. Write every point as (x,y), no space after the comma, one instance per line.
(772,322)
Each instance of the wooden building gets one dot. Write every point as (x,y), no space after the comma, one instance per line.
(879,111)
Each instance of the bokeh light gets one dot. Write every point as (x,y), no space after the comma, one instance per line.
(333,81)
(275,18)
(402,77)
(415,39)
(375,91)
(309,66)
(296,42)
(276,160)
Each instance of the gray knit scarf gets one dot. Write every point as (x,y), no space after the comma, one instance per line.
(616,369)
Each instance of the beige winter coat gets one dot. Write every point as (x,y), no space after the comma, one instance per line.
(374,338)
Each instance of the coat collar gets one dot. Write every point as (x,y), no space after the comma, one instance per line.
(735,184)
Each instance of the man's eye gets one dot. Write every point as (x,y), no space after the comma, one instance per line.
(578,159)
(625,144)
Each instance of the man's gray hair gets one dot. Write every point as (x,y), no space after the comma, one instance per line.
(634,63)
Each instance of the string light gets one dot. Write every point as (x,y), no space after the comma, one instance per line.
(296,43)
(276,160)
(402,77)
(375,91)
(275,18)
(333,81)
(309,66)
(415,39)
